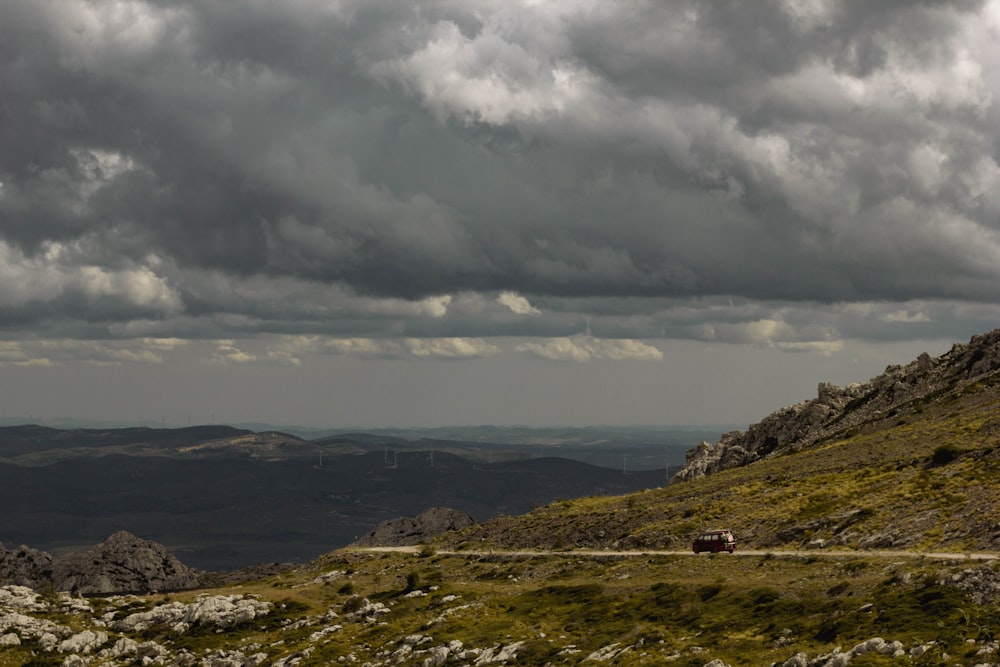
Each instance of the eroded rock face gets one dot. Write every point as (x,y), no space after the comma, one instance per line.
(406,531)
(122,563)
(838,408)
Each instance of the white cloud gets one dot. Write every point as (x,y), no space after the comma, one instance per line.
(289,350)
(363,347)
(62,351)
(755,331)
(491,78)
(450,348)
(14,353)
(517,303)
(56,271)
(226,352)
(419,348)
(586,348)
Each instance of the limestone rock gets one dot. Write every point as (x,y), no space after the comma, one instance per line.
(25,566)
(121,648)
(164,614)
(221,611)
(499,654)
(225,611)
(123,563)
(45,632)
(20,598)
(406,531)
(83,642)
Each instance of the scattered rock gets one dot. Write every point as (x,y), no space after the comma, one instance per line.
(499,654)
(981,583)
(607,653)
(365,611)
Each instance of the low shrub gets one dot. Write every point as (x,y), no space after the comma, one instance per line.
(945,454)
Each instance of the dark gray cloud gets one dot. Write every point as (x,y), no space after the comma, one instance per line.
(375,170)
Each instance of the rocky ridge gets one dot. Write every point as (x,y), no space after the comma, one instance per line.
(836,409)
(123,563)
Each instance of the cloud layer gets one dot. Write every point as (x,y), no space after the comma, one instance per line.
(414,180)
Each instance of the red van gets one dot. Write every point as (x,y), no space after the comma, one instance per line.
(715,541)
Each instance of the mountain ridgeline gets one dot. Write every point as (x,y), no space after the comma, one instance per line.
(899,392)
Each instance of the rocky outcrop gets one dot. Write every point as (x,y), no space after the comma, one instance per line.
(122,563)
(837,409)
(25,566)
(874,646)
(218,611)
(406,531)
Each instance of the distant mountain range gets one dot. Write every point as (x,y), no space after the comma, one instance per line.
(222,497)
(638,447)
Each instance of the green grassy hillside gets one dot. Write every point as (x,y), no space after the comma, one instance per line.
(926,476)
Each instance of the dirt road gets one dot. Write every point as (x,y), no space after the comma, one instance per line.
(646,553)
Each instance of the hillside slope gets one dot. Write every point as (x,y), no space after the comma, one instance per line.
(901,391)
(913,461)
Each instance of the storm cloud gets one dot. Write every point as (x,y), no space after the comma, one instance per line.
(429,179)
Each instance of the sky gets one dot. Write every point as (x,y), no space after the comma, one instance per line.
(377,213)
